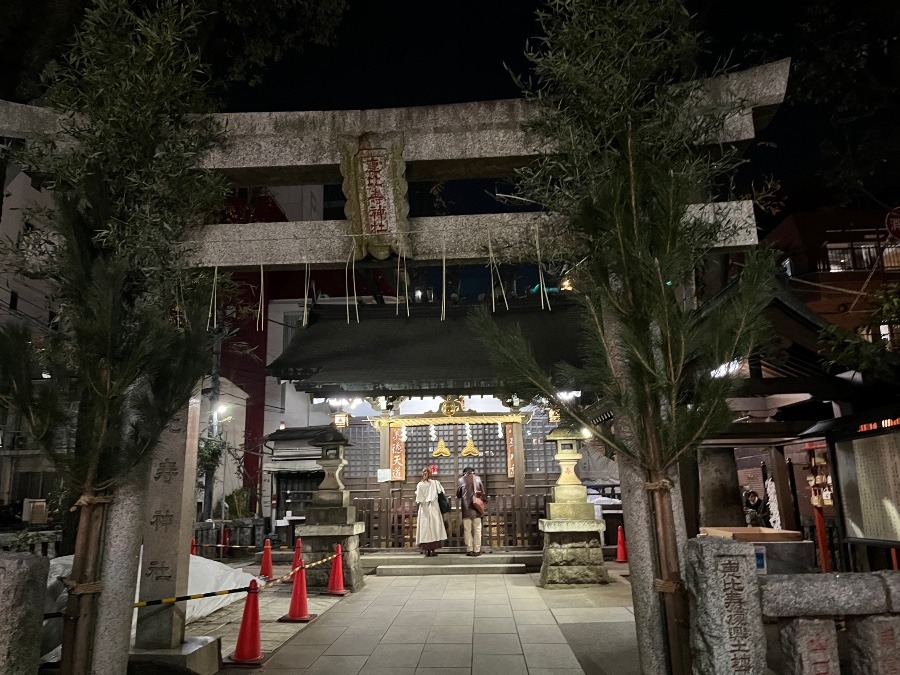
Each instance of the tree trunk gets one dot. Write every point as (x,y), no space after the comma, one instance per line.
(78,620)
(648,611)
(209,482)
(672,590)
(121,558)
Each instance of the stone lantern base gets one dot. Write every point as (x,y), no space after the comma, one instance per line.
(319,542)
(573,552)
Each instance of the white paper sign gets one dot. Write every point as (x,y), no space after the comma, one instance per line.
(384,475)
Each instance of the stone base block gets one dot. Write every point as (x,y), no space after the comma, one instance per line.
(571,494)
(200,655)
(338,498)
(565,511)
(572,558)
(332,515)
(318,546)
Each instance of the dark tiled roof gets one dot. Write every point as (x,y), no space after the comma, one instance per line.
(315,436)
(388,353)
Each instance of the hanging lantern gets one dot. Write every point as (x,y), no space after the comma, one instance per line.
(341,420)
(553,416)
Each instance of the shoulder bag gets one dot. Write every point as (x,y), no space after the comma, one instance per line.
(443,502)
(477,501)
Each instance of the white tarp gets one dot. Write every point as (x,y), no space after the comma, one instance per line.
(204,576)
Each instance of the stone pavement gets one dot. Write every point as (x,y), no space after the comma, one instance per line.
(273,604)
(466,624)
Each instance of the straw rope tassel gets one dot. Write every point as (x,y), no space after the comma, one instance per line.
(443,281)
(347,285)
(491,268)
(397,288)
(496,266)
(260,311)
(306,292)
(406,286)
(211,318)
(542,287)
(355,299)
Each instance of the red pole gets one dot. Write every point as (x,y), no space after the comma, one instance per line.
(894,563)
(822,540)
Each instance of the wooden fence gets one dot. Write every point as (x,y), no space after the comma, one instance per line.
(510,522)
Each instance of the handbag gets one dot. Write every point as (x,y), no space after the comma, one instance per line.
(443,502)
(478,504)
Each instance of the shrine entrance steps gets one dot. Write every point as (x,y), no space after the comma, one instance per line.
(412,563)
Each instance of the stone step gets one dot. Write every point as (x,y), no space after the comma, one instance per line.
(532,560)
(434,570)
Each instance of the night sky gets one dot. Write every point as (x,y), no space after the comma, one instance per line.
(404,53)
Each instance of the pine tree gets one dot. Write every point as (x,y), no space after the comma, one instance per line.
(628,132)
(130,342)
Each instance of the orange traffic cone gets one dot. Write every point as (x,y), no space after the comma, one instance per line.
(248,651)
(336,580)
(193,546)
(298,554)
(622,547)
(265,569)
(299,609)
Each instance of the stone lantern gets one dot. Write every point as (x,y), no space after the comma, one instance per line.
(330,519)
(569,496)
(573,536)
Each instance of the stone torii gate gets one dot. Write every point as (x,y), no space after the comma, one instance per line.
(373,154)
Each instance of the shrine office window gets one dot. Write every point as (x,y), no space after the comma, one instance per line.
(364,456)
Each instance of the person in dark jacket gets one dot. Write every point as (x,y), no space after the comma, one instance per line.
(467,489)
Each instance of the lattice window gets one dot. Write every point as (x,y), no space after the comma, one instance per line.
(363,458)
(538,451)
(419,447)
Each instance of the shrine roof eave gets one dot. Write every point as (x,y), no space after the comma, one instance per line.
(386,354)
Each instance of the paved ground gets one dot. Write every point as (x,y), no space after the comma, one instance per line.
(464,624)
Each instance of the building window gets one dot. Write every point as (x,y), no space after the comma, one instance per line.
(890,257)
(849,257)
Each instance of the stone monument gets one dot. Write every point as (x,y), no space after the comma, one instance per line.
(330,519)
(573,536)
(726,620)
(169,526)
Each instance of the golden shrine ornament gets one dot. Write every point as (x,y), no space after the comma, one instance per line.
(452,405)
(470,450)
(441,450)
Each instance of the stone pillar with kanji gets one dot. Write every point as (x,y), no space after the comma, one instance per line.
(165,562)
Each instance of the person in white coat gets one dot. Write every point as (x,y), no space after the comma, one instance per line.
(430,530)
